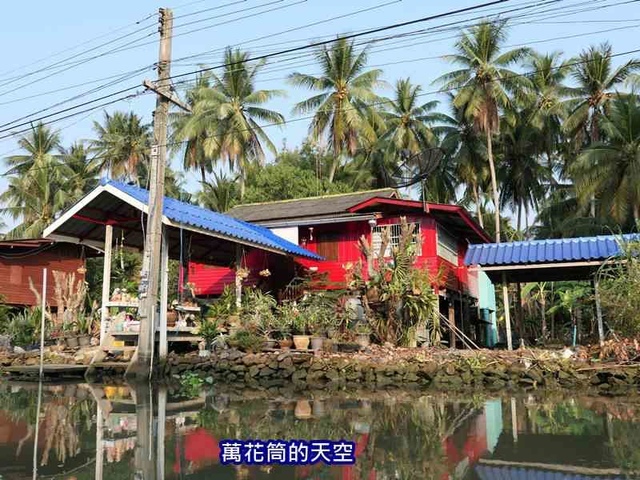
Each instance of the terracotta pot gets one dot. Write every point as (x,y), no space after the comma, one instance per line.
(363,339)
(84,340)
(285,344)
(303,409)
(301,342)
(316,343)
(72,342)
(172,318)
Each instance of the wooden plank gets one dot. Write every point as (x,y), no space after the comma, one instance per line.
(48,368)
(111,364)
(113,348)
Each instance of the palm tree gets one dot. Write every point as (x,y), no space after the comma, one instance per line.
(229,112)
(611,169)
(465,149)
(81,171)
(523,178)
(407,122)
(41,145)
(596,80)
(34,199)
(190,133)
(123,144)
(547,106)
(483,85)
(218,195)
(342,108)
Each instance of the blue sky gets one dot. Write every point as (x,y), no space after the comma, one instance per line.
(33,31)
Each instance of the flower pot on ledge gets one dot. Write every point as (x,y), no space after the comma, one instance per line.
(301,342)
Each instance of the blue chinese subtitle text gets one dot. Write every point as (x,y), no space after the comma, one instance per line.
(287,452)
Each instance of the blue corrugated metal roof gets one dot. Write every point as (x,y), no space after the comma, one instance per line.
(547,251)
(486,472)
(187,214)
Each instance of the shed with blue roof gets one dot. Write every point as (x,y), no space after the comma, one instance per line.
(118,211)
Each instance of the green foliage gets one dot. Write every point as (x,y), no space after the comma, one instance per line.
(190,385)
(208,330)
(257,310)
(619,284)
(398,298)
(246,341)
(24,326)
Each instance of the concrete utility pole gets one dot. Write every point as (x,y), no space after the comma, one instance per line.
(141,364)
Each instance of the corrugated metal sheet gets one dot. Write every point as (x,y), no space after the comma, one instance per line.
(514,473)
(547,251)
(187,214)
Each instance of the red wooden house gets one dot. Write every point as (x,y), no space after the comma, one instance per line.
(331,226)
(23,260)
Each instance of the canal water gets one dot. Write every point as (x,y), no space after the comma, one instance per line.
(82,431)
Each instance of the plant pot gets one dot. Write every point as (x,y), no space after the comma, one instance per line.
(84,340)
(172,318)
(316,343)
(269,344)
(303,409)
(301,342)
(72,342)
(285,344)
(363,339)
(318,408)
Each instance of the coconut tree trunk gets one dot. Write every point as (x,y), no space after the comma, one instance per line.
(476,199)
(202,173)
(519,216)
(494,184)
(333,168)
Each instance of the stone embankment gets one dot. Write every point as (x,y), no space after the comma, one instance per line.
(444,370)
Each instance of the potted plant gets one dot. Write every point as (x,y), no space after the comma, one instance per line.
(300,327)
(70,334)
(363,334)
(208,330)
(84,324)
(282,324)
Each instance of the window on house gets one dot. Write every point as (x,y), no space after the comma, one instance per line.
(447,246)
(396,231)
(328,246)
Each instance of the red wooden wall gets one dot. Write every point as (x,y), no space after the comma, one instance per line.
(211,280)
(15,274)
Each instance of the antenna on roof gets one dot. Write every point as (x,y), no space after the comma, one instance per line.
(415,168)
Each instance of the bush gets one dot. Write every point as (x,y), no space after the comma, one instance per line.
(246,341)
(619,285)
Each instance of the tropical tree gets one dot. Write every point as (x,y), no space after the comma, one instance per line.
(547,104)
(463,147)
(41,145)
(82,170)
(597,80)
(229,113)
(343,111)
(35,198)
(610,169)
(484,84)
(191,133)
(122,145)
(407,121)
(524,180)
(219,195)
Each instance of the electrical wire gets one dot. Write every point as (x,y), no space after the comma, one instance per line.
(288,51)
(219,7)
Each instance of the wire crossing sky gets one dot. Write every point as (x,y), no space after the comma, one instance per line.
(65,54)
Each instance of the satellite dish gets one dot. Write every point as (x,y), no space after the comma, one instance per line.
(415,168)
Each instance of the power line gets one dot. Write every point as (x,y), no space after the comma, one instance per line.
(219,7)
(35,62)
(283,52)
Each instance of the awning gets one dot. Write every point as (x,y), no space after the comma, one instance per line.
(212,236)
(546,260)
